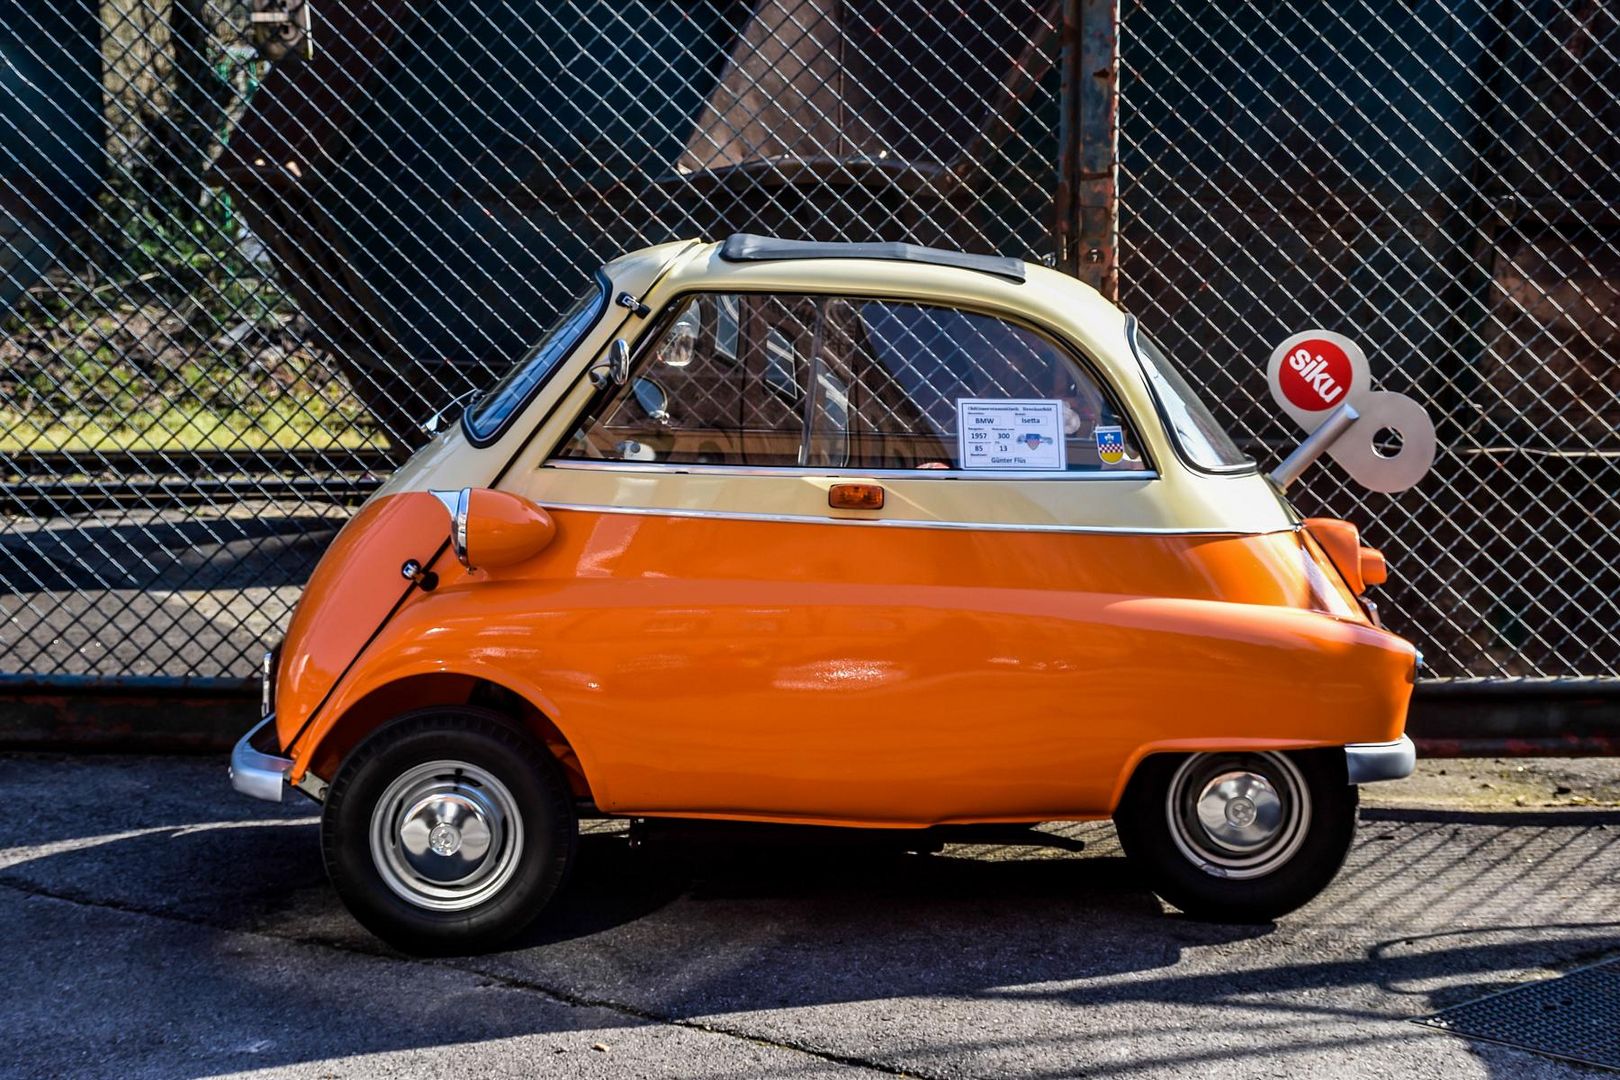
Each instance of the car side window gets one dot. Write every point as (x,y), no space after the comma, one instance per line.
(941,388)
(734,379)
(723,383)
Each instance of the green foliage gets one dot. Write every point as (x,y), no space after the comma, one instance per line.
(163,327)
(191,346)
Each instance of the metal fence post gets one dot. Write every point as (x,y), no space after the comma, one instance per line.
(1087,202)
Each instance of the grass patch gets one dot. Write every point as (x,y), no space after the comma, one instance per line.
(166,374)
(282,425)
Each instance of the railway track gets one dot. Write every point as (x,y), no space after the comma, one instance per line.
(61,483)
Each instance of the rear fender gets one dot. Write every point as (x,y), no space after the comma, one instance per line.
(1335,681)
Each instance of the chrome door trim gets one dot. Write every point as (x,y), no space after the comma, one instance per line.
(904,523)
(677,469)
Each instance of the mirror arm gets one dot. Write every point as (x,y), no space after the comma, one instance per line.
(1315,444)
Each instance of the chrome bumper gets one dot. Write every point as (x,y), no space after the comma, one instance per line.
(255,773)
(1367,762)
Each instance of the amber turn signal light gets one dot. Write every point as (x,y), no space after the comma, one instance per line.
(855,497)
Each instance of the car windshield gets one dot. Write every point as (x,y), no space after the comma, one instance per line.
(1196,432)
(489,414)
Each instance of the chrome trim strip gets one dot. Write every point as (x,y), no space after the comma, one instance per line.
(255,774)
(458,531)
(841,475)
(267,682)
(1370,762)
(909,523)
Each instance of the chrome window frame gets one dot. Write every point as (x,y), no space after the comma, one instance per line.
(895,523)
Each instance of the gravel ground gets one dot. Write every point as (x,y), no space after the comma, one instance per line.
(162,927)
(1504,784)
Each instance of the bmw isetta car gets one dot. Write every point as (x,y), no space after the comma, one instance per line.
(863,535)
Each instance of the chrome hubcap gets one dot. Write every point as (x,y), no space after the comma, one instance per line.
(1238,815)
(446,835)
(1240,810)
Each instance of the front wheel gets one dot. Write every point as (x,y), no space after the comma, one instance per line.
(448,830)
(1239,837)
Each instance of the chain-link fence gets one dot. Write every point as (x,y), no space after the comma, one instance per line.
(233,288)
(1436,179)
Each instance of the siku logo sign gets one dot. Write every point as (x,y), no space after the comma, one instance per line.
(1316,372)
(1315,375)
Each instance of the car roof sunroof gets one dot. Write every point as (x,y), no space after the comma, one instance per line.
(746,247)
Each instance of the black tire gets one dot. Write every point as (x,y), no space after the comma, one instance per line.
(1196,867)
(517,834)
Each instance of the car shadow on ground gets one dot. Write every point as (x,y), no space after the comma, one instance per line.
(717,934)
(848,921)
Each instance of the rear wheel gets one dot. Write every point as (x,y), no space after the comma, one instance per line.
(448,830)
(1239,837)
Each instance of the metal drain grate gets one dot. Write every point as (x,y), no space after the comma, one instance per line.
(1575,1016)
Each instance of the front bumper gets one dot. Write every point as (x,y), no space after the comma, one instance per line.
(255,773)
(1369,762)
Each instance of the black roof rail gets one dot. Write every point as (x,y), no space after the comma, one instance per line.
(746,247)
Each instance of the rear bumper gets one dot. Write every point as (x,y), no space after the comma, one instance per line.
(255,773)
(1369,762)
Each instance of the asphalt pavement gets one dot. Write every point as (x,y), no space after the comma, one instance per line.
(160,926)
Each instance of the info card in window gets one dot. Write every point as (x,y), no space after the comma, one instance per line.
(1011,433)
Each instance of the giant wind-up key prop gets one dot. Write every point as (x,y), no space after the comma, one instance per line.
(1321,380)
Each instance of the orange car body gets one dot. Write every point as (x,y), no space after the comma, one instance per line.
(722,643)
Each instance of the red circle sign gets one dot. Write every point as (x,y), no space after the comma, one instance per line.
(1315,375)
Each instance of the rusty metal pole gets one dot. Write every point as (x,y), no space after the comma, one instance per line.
(1087,202)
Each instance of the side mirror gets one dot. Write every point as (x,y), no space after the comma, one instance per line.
(617,370)
(653,399)
(492,529)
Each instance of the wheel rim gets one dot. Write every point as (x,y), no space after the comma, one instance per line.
(446,836)
(1238,815)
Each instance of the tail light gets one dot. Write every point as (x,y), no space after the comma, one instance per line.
(1359,565)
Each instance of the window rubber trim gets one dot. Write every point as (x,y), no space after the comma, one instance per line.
(1247,468)
(603,303)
